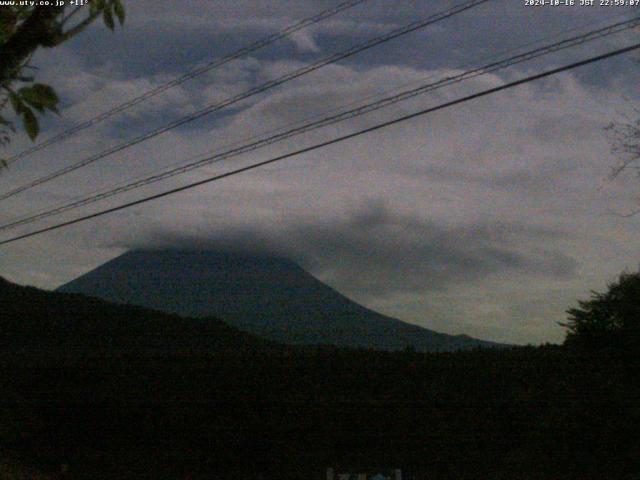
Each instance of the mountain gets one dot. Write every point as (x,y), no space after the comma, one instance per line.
(34,320)
(265,295)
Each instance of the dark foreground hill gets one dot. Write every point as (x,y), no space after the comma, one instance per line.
(39,321)
(234,409)
(267,296)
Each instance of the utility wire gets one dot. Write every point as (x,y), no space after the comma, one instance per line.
(143,181)
(65,206)
(212,65)
(254,91)
(355,112)
(333,141)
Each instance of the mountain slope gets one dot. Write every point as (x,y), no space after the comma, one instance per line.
(267,296)
(33,319)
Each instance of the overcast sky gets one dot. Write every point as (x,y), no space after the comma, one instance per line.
(490,218)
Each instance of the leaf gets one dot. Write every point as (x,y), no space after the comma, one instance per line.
(96,6)
(31,98)
(8,22)
(37,106)
(30,123)
(47,94)
(40,96)
(118,9)
(16,102)
(108,19)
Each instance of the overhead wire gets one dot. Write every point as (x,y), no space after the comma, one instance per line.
(380,94)
(209,66)
(333,141)
(411,27)
(330,120)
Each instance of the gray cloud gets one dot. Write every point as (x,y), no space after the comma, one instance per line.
(379,252)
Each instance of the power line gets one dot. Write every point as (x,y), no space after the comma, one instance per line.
(411,27)
(212,65)
(105,193)
(566,43)
(330,120)
(379,126)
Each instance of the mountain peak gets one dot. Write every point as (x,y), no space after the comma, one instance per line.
(262,294)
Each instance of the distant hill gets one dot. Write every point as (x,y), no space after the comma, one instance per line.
(268,296)
(37,320)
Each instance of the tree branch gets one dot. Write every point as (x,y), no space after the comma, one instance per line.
(32,33)
(72,32)
(71,14)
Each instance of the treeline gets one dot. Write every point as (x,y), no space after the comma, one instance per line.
(256,411)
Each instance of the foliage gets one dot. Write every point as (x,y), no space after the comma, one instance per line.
(612,317)
(24,28)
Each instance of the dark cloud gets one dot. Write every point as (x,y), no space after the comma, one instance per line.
(377,251)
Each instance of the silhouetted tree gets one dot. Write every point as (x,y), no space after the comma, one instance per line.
(611,318)
(24,28)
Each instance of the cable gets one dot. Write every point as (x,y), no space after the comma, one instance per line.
(254,91)
(142,181)
(361,110)
(77,200)
(188,76)
(317,146)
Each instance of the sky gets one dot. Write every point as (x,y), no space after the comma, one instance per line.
(490,218)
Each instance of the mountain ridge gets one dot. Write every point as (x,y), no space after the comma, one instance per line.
(265,295)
